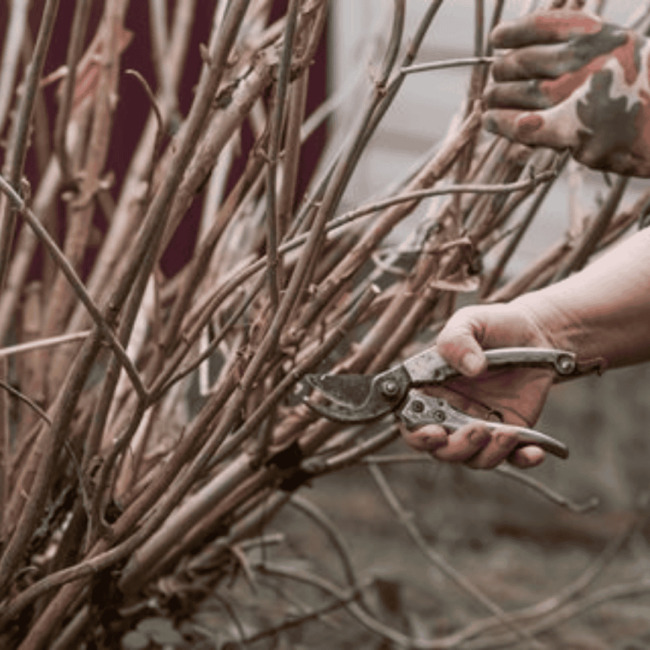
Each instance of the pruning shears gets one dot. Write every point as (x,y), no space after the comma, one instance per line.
(353,398)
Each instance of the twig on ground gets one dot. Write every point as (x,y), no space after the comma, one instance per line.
(442,565)
(548,492)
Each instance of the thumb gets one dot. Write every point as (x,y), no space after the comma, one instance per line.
(458,344)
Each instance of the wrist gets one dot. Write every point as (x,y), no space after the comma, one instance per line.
(559,328)
(554,326)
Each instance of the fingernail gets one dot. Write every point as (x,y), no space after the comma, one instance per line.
(471,363)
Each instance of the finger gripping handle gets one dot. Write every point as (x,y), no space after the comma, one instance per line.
(562,361)
(429,366)
(420,409)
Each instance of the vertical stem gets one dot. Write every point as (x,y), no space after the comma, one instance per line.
(13,43)
(19,137)
(496,19)
(274,149)
(77,36)
(142,256)
(159,39)
(5,449)
(81,207)
(291,160)
(479,26)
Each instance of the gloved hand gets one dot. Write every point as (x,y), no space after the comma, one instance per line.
(571,81)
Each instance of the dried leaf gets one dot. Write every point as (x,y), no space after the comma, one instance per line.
(464,284)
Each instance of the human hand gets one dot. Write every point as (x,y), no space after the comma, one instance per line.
(517,394)
(571,81)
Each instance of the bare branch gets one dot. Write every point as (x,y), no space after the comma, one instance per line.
(17,148)
(548,492)
(448,63)
(74,280)
(441,564)
(11,55)
(43,343)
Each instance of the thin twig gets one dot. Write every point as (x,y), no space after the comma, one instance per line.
(317,465)
(274,270)
(334,535)
(154,107)
(14,392)
(548,492)
(74,281)
(75,45)
(40,344)
(441,564)
(347,598)
(447,63)
(297,620)
(497,188)
(13,43)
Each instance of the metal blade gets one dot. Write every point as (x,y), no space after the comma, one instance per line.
(339,412)
(349,390)
(359,398)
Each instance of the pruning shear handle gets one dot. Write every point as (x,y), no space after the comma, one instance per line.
(420,409)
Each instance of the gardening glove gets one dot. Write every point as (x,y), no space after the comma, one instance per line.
(515,395)
(571,81)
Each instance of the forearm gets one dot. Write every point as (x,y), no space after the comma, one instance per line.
(602,311)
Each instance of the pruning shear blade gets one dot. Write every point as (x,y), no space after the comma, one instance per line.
(351,390)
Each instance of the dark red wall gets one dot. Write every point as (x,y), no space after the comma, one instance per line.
(133,105)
